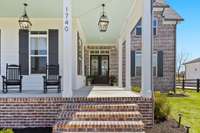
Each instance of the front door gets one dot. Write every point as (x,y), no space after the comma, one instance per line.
(100,69)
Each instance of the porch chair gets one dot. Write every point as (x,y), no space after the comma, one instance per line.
(52,78)
(13,77)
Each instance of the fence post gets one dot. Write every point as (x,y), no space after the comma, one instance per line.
(183,84)
(198,85)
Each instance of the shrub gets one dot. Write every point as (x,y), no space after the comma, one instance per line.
(113,80)
(136,89)
(162,108)
(6,131)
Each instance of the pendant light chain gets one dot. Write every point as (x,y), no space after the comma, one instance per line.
(95,8)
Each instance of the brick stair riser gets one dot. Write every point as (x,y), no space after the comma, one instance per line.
(121,130)
(101,117)
(98,107)
(97,132)
(113,100)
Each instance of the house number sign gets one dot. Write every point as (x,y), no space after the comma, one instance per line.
(66,19)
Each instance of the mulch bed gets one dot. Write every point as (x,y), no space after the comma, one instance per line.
(169,126)
(33,130)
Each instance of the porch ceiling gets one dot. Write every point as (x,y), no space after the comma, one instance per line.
(88,11)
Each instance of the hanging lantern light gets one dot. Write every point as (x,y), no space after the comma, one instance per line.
(24,21)
(103,21)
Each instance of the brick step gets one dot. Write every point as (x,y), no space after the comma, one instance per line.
(101,116)
(98,126)
(100,107)
(123,100)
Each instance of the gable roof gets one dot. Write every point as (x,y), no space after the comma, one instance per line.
(169,13)
(193,61)
(160,3)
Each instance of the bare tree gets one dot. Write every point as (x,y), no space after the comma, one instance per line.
(180,61)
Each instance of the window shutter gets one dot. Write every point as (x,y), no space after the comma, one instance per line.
(0,51)
(160,64)
(53,47)
(24,51)
(132,63)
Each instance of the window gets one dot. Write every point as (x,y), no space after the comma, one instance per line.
(38,52)
(155,25)
(138,63)
(138,29)
(154,63)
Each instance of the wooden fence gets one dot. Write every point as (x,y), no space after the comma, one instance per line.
(189,84)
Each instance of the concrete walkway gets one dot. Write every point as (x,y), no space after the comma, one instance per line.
(104,91)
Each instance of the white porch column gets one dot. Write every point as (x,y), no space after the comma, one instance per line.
(128,61)
(147,49)
(120,63)
(67,49)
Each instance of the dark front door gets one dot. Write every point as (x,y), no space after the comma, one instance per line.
(100,69)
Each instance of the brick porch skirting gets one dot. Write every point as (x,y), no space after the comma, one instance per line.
(43,112)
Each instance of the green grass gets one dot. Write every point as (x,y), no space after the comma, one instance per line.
(189,107)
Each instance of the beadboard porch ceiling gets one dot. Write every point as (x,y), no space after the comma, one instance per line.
(88,11)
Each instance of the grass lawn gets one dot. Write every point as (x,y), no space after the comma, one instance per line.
(189,107)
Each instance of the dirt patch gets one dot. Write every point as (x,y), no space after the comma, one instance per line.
(169,126)
(177,95)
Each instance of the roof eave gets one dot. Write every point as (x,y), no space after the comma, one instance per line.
(164,6)
(178,20)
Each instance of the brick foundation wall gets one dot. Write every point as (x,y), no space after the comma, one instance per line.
(29,112)
(43,112)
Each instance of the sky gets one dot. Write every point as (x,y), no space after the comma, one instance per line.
(188,32)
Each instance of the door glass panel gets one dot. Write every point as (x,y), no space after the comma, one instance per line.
(94,65)
(104,66)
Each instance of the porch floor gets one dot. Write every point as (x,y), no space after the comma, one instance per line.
(95,91)
(104,91)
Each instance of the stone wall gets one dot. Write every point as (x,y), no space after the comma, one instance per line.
(165,41)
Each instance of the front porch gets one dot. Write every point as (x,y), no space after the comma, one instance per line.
(62,35)
(87,92)
(66,33)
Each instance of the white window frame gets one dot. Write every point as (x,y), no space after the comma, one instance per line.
(154,26)
(47,56)
(155,53)
(137,53)
(140,53)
